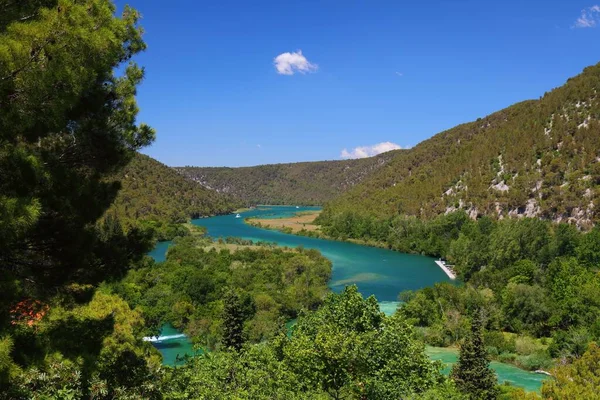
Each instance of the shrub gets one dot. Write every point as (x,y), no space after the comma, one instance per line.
(507,357)
(535,361)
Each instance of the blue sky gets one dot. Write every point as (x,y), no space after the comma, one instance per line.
(373,72)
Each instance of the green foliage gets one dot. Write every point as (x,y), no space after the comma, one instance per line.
(92,349)
(472,373)
(67,123)
(256,373)
(189,289)
(7,366)
(67,127)
(158,198)
(307,183)
(346,349)
(525,307)
(235,312)
(579,380)
(531,276)
(589,249)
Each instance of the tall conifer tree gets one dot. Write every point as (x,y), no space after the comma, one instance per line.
(472,373)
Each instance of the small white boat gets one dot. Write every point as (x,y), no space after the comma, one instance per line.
(238,216)
(297,207)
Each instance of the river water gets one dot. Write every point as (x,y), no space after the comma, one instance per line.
(379,272)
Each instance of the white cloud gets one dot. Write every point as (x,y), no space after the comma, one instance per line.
(369,151)
(290,63)
(590,17)
(399,74)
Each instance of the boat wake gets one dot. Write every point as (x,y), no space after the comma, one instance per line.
(162,338)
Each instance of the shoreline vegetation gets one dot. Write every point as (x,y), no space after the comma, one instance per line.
(234,244)
(303,224)
(241,210)
(292,226)
(302,221)
(299,222)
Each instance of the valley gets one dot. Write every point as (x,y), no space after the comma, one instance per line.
(123,277)
(352,265)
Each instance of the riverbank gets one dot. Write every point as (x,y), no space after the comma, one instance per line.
(507,373)
(241,210)
(301,221)
(303,224)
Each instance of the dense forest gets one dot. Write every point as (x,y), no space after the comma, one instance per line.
(532,278)
(154,196)
(306,183)
(192,287)
(78,293)
(539,158)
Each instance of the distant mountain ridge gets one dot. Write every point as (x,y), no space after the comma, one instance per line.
(307,183)
(538,158)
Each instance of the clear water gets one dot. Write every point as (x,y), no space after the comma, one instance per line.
(529,381)
(379,272)
(173,346)
(160,251)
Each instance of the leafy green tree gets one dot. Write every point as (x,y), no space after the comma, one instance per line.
(88,350)
(349,349)
(472,373)
(579,380)
(565,241)
(589,250)
(525,307)
(254,374)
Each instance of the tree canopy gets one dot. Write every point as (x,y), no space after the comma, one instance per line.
(67,121)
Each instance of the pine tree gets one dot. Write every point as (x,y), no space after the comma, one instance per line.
(67,124)
(236,310)
(472,373)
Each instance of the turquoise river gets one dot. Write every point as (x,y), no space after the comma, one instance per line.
(379,272)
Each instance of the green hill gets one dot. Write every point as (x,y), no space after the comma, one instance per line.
(538,158)
(308,183)
(151,191)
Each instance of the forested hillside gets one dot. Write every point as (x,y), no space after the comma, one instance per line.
(306,183)
(537,158)
(78,293)
(153,193)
